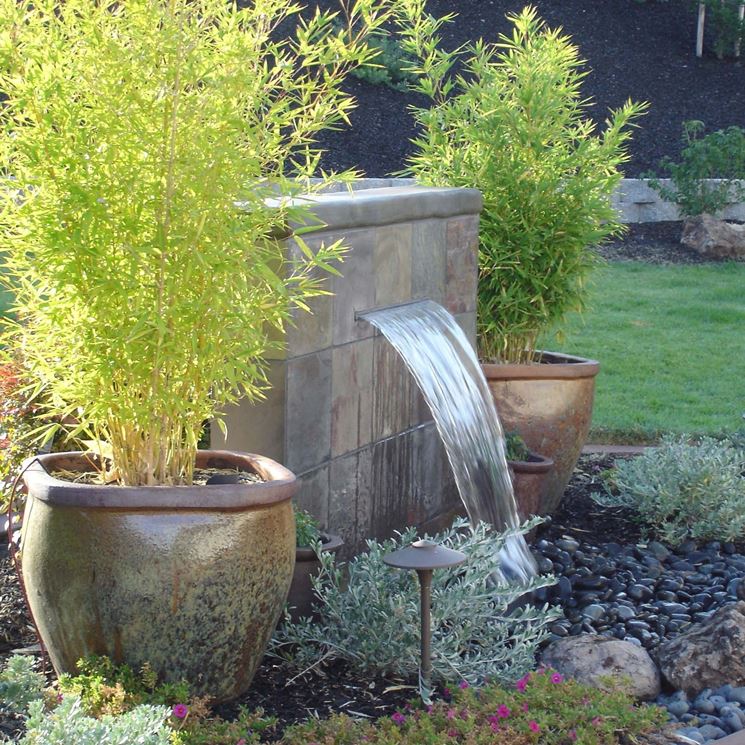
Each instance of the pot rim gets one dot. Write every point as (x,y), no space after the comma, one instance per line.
(279,485)
(333,543)
(562,367)
(539,464)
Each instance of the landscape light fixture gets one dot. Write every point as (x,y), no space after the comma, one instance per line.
(424,556)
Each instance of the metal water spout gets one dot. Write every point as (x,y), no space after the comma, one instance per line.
(424,556)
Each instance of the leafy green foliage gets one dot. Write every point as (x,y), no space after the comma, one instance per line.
(708,176)
(20,684)
(369,613)
(106,688)
(516,448)
(513,124)
(723,17)
(543,709)
(307,529)
(391,66)
(144,145)
(68,723)
(682,490)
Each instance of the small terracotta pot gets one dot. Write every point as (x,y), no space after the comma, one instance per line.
(549,404)
(307,565)
(189,579)
(530,482)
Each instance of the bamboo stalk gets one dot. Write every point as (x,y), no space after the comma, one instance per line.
(700,30)
(741,17)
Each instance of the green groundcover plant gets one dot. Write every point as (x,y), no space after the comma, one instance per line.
(540,707)
(509,119)
(683,490)
(368,613)
(141,142)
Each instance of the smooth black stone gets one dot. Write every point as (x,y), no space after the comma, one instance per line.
(702,597)
(684,596)
(625,613)
(545,566)
(612,549)
(636,624)
(591,583)
(682,566)
(695,607)
(697,579)
(670,609)
(579,557)
(565,587)
(728,548)
(567,544)
(639,592)
(594,612)
(720,597)
(670,584)
(687,547)
(685,617)
(667,595)
(732,586)
(575,629)
(658,550)
(559,630)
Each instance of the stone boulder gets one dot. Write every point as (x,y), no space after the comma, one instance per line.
(708,655)
(605,663)
(717,238)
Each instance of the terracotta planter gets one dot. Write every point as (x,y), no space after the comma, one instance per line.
(301,598)
(550,405)
(191,580)
(530,482)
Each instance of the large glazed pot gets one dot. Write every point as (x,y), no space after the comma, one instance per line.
(549,404)
(190,579)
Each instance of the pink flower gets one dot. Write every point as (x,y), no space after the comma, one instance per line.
(522,684)
(464,714)
(398,717)
(463,685)
(503,712)
(450,714)
(242,741)
(452,733)
(430,709)
(597,721)
(446,692)
(534,726)
(572,735)
(494,726)
(492,719)
(180,711)
(525,707)
(557,678)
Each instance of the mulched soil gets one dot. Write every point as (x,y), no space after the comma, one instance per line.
(638,50)
(654,243)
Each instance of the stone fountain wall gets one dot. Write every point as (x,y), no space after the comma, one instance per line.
(343,412)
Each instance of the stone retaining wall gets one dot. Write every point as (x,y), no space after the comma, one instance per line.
(637,202)
(343,412)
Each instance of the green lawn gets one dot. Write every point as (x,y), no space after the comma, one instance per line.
(671,343)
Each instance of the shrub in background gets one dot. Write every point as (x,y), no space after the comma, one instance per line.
(390,66)
(722,16)
(683,490)
(509,119)
(146,297)
(369,613)
(307,529)
(707,177)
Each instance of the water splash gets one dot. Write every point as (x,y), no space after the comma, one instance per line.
(445,366)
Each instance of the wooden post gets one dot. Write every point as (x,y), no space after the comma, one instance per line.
(700,30)
(741,17)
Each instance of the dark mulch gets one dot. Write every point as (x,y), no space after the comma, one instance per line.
(582,518)
(642,51)
(654,243)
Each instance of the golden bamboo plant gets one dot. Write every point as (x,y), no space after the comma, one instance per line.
(141,141)
(509,119)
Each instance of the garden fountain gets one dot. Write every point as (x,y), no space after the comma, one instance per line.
(446,367)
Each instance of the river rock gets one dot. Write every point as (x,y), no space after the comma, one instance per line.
(606,663)
(709,654)
(711,237)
